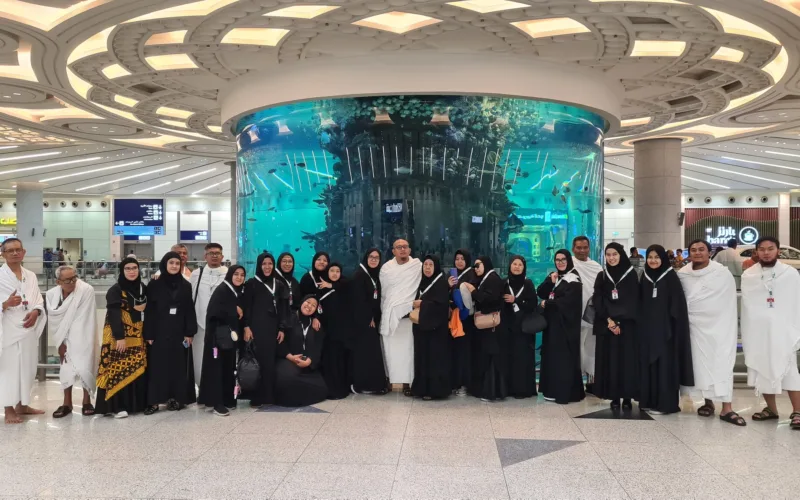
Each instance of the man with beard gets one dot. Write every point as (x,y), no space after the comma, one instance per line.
(588,271)
(771,329)
(204,281)
(399,279)
(711,299)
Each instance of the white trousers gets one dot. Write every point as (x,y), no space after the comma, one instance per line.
(18,371)
(399,352)
(198,342)
(588,343)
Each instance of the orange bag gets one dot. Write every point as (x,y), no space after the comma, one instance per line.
(456,328)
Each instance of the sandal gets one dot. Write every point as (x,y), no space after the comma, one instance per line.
(706,410)
(794,423)
(62,412)
(407,392)
(87,410)
(150,410)
(765,414)
(173,405)
(733,418)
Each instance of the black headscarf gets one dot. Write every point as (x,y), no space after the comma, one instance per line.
(229,278)
(619,270)
(517,281)
(133,288)
(338,283)
(437,270)
(467,259)
(654,274)
(172,280)
(268,280)
(286,276)
(319,275)
(373,273)
(570,263)
(487,265)
(306,320)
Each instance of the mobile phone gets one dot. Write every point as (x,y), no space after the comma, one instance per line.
(304,358)
(185,344)
(453,272)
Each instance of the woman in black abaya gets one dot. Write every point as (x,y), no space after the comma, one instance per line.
(170,323)
(616,300)
(312,281)
(285,271)
(298,381)
(266,316)
(487,292)
(432,339)
(369,374)
(560,377)
(219,366)
(520,300)
(663,331)
(464,346)
(336,312)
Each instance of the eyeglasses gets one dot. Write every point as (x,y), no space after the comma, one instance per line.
(402,247)
(131,269)
(13,251)
(373,257)
(214,254)
(68,281)
(287,261)
(563,261)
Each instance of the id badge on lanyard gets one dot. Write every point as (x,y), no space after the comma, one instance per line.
(655,283)
(375,293)
(319,305)
(615,292)
(516,296)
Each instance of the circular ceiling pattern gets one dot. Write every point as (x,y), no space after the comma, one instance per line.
(699,70)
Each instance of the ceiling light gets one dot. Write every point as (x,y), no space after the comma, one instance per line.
(174,112)
(782,154)
(641,1)
(302,11)
(152,188)
(59,164)
(115,71)
(85,172)
(214,128)
(25,157)
(95,44)
(759,163)
(78,84)
(200,8)
(778,66)
(704,182)
(125,101)
(170,37)
(170,62)
(397,22)
(127,178)
(175,123)
(635,122)
(540,28)
(737,26)
(740,174)
(728,54)
(255,36)
(657,48)
(741,101)
(198,174)
(486,6)
(210,187)
(8,147)
(617,173)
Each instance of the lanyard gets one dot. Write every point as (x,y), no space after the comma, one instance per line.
(374,285)
(271,290)
(484,278)
(232,289)
(620,280)
(462,274)
(655,283)
(313,279)
(305,333)
(429,286)
(516,295)
(552,295)
(768,284)
(288,283)
(22,292)
(323,297)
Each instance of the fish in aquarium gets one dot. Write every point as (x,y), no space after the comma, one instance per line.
(301,165)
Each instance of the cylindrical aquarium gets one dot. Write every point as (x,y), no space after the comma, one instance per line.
(498,176)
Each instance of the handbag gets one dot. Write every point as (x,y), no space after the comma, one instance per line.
(456,328)
(589,312)
(533,323)
(222,338)
(414,316)
(248,370)
(487,321)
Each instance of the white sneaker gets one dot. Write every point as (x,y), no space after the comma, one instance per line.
(655,412)
(548,399)
(122,414)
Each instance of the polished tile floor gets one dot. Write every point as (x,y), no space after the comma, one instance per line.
(392,447)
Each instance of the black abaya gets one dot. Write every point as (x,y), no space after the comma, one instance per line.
(219,379)
(560,377)
(336,319)
(666,352)
(265,314)
(522,346)
(169,317)
(616,372)
(433,342)
(295,386)
(492,358)
(369,374)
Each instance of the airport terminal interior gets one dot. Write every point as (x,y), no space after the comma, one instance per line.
(504,127)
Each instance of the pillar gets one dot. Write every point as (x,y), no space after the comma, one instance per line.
(784,218)
(234,248)
(657,193)
(30,223)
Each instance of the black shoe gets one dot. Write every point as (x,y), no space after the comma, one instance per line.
(627,405)
(173,405)
(615,404)
(589,389)
(221,411)
(150,410)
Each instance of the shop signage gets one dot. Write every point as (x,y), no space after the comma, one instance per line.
(747,235)
(9,221)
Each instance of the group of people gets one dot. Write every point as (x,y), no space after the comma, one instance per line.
(322,335)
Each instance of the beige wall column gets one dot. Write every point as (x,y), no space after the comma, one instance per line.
(657,192)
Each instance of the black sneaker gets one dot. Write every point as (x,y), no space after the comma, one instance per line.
(221,411)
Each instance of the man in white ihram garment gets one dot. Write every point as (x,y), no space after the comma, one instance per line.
(771,330)
(588,270)
(204,281)
(400,279)
(22,323)
(713,330)
(72,317)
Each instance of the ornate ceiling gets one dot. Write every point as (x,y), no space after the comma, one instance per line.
(146,74)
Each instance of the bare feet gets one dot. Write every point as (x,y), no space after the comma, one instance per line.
(27,410)
(11,416)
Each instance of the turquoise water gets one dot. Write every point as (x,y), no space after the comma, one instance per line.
(498,176)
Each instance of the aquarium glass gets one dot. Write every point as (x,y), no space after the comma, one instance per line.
(497,176)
